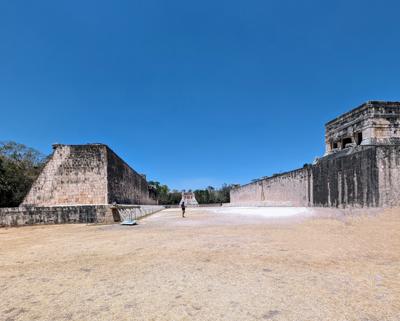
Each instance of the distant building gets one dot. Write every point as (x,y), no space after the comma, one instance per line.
(189,198)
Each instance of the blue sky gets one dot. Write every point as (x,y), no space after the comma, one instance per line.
(193,93)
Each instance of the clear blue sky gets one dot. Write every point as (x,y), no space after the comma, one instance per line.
(193,93)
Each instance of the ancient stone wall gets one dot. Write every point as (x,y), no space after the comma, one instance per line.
(87,175)
(75,174)
(134,212)
(21,216)
(388,164)
(99,214)
(360,168)
(363,176)
(125,186)
(249,193)
(288,189)
(348,178)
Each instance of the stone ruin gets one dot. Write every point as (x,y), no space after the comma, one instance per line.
(372,123)
(83,183)
(360,168)
(189,198)
(88,175)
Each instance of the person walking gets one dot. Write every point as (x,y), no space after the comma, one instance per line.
(183,209)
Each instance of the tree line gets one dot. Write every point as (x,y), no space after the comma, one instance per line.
(209,195)
(19,167)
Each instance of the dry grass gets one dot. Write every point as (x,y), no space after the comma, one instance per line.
(204,267)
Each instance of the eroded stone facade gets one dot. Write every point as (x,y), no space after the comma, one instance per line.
(361,166)
(89,174)
(372,123)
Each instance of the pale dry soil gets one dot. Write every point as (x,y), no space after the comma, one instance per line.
(212,265)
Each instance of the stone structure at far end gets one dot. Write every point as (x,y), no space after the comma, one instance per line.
(89,174)
(189,198)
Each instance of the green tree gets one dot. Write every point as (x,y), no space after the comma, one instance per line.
(164,195)
(211,195)
(225,193)
(19,167)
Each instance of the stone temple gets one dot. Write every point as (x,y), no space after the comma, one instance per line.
(372,123)
(88,175)
(360,168)
(83,183)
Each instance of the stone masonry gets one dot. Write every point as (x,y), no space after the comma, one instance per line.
(82,184)
(372,123)
(97,214)
(89,174)
(360,168)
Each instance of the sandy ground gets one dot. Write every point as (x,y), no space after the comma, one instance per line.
(216,264)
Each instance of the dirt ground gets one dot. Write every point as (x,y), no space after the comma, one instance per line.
(211,265)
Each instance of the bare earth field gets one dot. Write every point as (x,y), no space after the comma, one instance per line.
(216,264)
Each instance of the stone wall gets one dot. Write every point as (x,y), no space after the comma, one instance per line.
(363,176)
(20,216)
(99,214)
(75,174)
(348,178)
(134,212)
(125,186)
(87,175)
(288,189)
(388,163)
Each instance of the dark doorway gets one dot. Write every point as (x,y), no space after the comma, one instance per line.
(346,141)
(359,138)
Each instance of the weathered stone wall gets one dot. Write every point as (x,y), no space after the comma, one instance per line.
(388,163)
(87,175)
(75,174)
(361,166)
(125,212)
(100,214)
(288,189)
(246,194)
(21,216)
(348,178)
(125,186)
(363,176)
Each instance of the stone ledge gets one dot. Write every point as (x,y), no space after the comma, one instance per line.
(64,214)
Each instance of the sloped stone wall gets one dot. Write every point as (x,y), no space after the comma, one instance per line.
(75,174)
(87,175)
(125,186)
